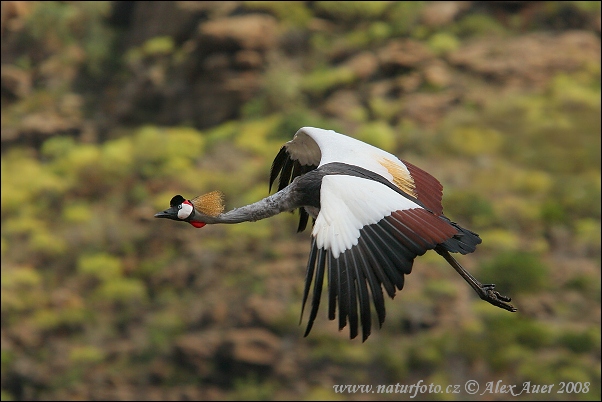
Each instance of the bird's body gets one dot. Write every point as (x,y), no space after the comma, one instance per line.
(373,214)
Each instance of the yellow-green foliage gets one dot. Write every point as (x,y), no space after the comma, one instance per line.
(281,91)
(441,289)
(159,45)
(477,25)
(253,136)
(379,134)
(64,27)
(20,290)
(72,315)
(163,327)
(531,182)
(588,232)
(24,179)
(102,266)
(161,152)
(293,13)
(375,32)
(443,43)
(500,240)
(383,108)
(515,272)
(77,213)
(21,277)
(474,141)
(322,80)
(117,158)
(125,290)
(326,347)
(354,10)
(86,354)
(45,242)
(404,16)
(470,207)
(253,388)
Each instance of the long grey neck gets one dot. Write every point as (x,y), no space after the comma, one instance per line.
(286,199)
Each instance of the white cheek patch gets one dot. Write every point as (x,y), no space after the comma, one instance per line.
(184,210)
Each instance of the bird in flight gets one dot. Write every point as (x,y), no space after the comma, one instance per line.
(372,215)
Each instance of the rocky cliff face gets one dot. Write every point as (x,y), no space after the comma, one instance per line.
(201,63)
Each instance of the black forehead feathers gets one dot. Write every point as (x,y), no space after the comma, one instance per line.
(176,200)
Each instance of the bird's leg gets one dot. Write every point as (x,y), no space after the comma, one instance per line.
(485,292)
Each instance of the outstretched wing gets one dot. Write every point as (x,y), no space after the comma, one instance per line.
(295,158)
(366,236)
(312,147)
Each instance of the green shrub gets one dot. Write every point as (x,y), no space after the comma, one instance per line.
(293,13)
(102,266)
(320,81)
(443,42)
(474,141)
(353,10)
(469,207)
(515,272)
(404,16)
(86,354)
(581,341)
(477,25)
(124,290)
(379,134)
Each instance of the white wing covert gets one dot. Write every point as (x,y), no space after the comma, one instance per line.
(367,235)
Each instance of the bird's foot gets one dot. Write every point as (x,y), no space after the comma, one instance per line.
(490,295)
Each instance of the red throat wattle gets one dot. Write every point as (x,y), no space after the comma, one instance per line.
(197,224)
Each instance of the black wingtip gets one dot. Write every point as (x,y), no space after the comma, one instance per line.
(277,165)
(303,218)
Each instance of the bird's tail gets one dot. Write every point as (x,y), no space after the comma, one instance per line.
(464,242)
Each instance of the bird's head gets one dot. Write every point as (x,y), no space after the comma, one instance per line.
(198,212)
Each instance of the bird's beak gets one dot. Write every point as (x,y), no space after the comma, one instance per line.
(170,213)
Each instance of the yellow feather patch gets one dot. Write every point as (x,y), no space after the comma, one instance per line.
(401,178)
(210,204)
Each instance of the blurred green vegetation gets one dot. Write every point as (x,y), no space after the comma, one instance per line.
(94,291)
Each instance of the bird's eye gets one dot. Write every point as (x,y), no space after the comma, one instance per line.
(184,210)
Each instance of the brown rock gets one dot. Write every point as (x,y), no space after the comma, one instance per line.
(15,81)
(404,53)
(248,59)
(263,311)
(46,124)
(528,60)
(198,349)
(253,31)
(437,74)
(439,13)
(427,108)
(363,64)
(14,14)
(383,88)
(345,105)
(150,19)
(253,346)
(410,82)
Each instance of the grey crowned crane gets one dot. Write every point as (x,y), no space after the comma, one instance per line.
(373,214)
